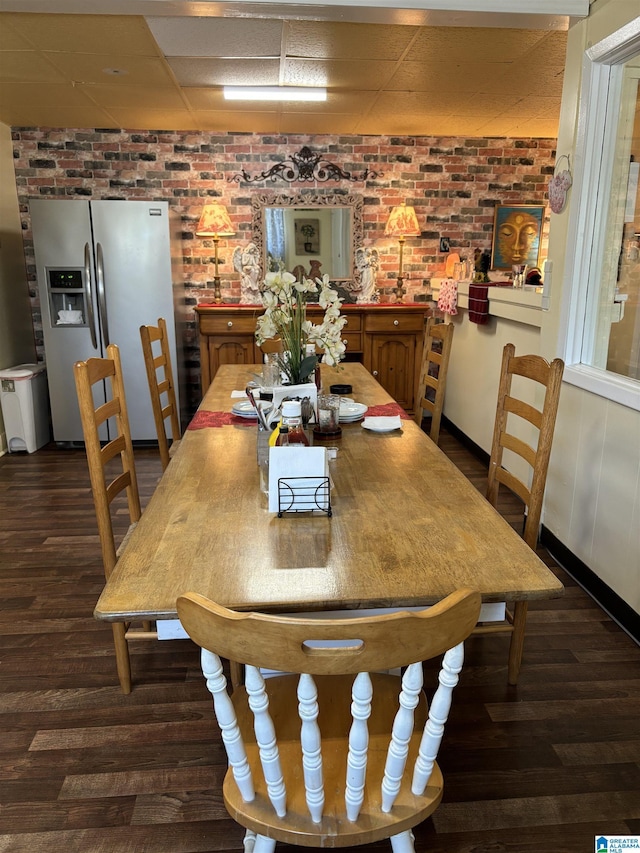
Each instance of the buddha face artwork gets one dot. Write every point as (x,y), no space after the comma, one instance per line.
(516,235)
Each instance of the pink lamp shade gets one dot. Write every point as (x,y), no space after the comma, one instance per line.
(215,222)
(402,222)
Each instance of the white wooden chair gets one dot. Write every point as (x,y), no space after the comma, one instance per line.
(159,386)
(333,774)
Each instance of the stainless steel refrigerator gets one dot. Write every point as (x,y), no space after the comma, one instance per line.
(104,269)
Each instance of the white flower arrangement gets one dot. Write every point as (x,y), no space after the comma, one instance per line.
(285,316)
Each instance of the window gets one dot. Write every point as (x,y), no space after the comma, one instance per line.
(603,330)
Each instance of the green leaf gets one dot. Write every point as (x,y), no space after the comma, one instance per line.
(307,366)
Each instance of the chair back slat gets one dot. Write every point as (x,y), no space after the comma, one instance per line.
(438,715)
(266,739)
(401,735)
(227,720)
(310,742)
(358,745)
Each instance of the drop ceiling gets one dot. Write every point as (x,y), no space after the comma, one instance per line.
(167,71)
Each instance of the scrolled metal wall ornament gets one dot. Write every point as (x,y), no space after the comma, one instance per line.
(304,166)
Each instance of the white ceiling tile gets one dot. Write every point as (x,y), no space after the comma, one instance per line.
(217,36)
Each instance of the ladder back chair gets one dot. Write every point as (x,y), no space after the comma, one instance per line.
(161,386)
(357,762)
(109,478)
(433,374)
(512,411)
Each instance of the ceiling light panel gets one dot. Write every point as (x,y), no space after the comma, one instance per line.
(274,93)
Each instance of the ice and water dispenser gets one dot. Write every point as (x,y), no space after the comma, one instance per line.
(66,297)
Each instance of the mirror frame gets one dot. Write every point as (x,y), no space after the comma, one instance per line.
(261,201)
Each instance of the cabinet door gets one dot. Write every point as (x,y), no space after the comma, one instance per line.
(230,350)
(393,364)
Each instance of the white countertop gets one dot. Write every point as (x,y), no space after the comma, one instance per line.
(523,305)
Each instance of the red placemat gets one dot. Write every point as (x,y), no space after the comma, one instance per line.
(386,410)
(204,419)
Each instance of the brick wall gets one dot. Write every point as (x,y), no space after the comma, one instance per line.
(453,184)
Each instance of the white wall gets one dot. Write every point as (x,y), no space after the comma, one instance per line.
(16,329)
(592,499)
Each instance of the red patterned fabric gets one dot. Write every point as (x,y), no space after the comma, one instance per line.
(479,301)
(387,410)
(204,419)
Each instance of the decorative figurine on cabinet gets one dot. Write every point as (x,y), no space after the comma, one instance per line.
(247,262)
(367,263)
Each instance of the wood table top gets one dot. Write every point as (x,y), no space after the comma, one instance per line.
(407,527)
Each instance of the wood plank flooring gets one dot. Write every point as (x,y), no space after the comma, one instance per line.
(546,765)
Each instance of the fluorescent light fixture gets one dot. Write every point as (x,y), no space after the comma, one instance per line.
(274,93)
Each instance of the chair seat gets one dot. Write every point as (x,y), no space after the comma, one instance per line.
(334,699)
(174,447)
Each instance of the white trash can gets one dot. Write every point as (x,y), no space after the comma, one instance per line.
(25,406)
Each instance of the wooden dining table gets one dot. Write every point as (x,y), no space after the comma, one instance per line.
(407,527)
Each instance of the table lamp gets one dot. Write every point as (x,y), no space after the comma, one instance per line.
(402,223)
(215,223)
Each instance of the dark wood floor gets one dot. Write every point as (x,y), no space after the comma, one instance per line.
(543,766)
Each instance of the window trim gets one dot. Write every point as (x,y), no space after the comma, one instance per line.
(602,76)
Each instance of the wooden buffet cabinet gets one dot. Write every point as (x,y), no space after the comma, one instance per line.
(386,338)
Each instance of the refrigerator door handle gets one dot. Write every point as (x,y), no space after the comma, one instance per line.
(89,296)
(102,302)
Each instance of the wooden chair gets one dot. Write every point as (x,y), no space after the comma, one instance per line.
(272,345)
(158,387)
(332,775)
(509,410)
(433,374)
(105,484)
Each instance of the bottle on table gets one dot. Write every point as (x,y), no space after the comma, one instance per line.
(292,421)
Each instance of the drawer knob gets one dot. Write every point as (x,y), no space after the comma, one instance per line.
(375,372)
(230,323)
(396,322)
(345,341)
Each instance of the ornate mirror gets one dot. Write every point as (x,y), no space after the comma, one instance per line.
(315,233)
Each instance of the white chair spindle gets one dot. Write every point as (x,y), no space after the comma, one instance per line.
(266,739)
(438,714)
(402,842)
(249,841)
(311,746)
(401,735)
(226,717)
(264,844)
(361,695)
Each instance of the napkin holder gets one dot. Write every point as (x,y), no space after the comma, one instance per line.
(294,392)
(299,480)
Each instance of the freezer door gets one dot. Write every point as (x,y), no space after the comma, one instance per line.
(62,242)
(133,254)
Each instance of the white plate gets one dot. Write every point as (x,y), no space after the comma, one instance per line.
(350,411)
(244,409)
(374,428)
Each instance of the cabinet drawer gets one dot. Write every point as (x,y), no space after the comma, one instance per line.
(353,341)
(396,322)
(227,325)
(353,324)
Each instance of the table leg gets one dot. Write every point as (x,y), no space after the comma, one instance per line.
(517,640)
